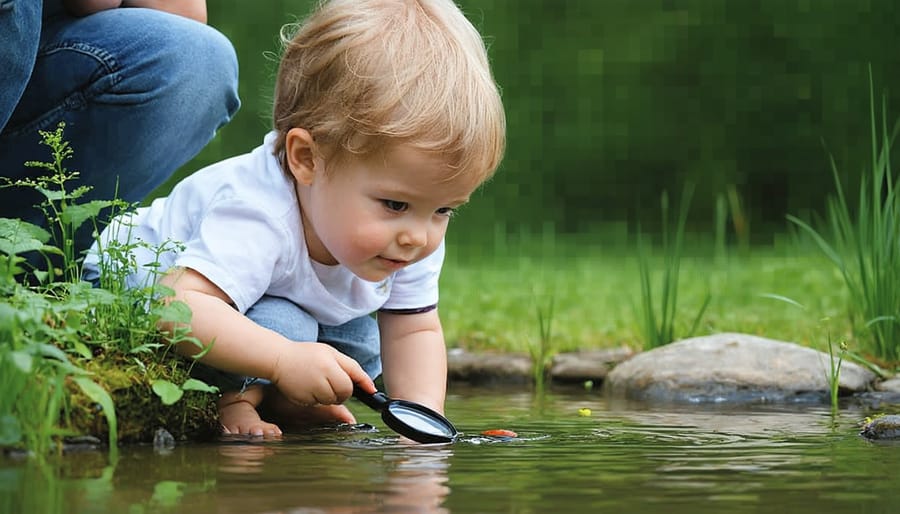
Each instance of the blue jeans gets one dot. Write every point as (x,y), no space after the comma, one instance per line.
(358,338)
(141,92)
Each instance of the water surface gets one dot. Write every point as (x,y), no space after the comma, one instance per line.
(623,457)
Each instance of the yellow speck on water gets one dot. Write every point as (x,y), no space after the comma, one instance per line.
(584,412)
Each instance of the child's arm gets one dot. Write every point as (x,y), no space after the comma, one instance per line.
(308,373)
(414,357)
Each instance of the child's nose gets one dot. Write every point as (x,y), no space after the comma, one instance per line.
(415,236)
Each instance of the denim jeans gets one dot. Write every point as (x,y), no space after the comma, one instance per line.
(358,338)
(141,92)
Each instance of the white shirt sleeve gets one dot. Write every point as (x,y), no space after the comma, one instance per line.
(237,247)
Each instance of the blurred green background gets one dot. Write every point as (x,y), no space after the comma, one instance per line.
(610,102)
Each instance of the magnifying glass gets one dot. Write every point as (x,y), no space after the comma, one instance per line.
(409,419)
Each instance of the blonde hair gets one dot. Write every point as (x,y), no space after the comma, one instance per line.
(363,75)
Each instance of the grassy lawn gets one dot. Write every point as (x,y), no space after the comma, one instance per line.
(490,302)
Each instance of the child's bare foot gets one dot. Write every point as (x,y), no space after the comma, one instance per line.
(238,415)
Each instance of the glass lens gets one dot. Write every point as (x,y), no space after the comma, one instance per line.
(419,420)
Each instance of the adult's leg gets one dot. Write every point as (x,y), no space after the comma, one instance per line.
(141,92)
(20,22)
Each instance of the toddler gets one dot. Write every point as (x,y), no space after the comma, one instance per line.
(386,119)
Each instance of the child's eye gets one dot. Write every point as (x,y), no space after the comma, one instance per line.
(446,211)
(394,205)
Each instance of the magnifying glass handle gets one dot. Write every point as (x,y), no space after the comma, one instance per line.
(376,401)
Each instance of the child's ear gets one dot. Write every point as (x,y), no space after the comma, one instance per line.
(300,150)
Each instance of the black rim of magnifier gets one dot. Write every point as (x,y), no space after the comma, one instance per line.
(383,404)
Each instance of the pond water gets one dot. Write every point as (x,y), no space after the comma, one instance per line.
(622,457)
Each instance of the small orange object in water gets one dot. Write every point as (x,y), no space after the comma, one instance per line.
(499,432)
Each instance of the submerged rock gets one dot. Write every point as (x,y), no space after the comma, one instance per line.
(732,367)
(882,428)
(163,440)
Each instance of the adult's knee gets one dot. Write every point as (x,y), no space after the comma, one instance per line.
(20,29)
(210,57)
(199,79)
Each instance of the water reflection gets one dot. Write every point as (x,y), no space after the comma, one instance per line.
(299,474)
(641,459)
(248,458)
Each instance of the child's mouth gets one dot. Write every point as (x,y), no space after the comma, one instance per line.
(393,264)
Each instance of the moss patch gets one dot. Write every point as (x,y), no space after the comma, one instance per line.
(139,411)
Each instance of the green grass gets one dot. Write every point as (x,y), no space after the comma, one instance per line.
(862,240)
(487,302)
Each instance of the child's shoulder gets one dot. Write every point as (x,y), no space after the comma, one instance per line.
(253,178)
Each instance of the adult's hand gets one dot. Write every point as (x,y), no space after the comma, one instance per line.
(194,9)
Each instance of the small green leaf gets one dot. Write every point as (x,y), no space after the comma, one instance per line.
(145,348)
(98,296)
(48,350)
(22,360)
(174,312)
(168,392)
(77,214)
(17,236)
(95,392)
(51,194)
(82,350)
(192,384)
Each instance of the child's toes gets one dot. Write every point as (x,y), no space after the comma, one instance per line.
(263,429)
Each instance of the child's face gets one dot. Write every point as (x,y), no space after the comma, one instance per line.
(378,215)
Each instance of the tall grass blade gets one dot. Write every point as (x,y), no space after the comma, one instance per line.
(658,321)
(864,240)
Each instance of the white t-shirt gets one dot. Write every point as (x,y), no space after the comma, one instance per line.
(239,223)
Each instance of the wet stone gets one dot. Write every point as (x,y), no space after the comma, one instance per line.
(594,365)
(882,428)
(487,368)
(891,385)
(163,440)
(733,368)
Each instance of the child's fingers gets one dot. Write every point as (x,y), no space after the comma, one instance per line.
(338,414)
(357,376)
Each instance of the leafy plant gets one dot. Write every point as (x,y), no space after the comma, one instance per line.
(864,243)
(62,340)
(658,322)
(61,207)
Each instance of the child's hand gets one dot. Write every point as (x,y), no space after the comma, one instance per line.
(316,373)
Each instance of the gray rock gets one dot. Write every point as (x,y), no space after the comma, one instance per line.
(163,441)
(882,428)
(486,368)
(594,365)
(889,386)
(732,367)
